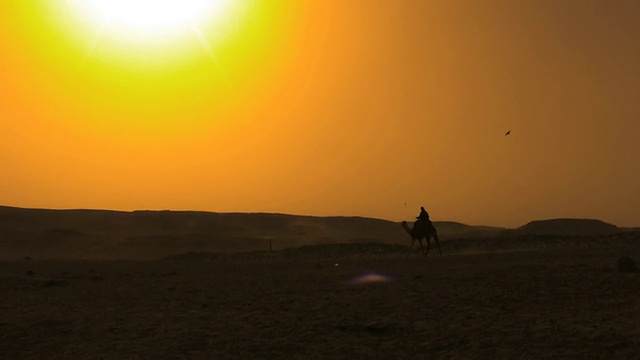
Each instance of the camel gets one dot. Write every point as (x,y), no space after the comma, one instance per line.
(426,232)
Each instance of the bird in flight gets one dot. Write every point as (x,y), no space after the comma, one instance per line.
(507,133)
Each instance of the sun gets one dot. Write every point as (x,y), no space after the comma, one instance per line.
(149,35)
(148,20)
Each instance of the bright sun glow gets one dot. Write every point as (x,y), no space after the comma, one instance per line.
(149,20)
(147,68)
(149,34)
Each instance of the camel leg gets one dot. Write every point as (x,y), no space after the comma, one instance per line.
(428,246)
(411,247)
(422,248)
(435,237)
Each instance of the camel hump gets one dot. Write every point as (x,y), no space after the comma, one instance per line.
(422,222)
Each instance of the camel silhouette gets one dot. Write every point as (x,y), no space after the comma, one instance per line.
(422,232)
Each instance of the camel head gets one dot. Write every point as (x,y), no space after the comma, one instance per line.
(405,226)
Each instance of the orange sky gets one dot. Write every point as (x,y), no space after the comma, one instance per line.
(367,108)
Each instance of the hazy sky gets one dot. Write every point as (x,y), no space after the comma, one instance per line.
(360,107)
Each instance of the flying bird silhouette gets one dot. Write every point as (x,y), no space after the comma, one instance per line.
(507,133)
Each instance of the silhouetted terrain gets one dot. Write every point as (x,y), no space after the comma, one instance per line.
(334,287)
(102,234)
(153,234)
(568,227)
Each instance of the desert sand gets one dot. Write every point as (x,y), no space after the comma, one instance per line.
(533,304)
(161,293)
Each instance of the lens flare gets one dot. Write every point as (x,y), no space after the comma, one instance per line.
(371,278)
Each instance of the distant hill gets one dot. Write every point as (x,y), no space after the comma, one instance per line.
(104,234)
(451,229)
(44,233)
(568,227)
(152,234)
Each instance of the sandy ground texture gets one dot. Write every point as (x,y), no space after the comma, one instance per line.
(537,304)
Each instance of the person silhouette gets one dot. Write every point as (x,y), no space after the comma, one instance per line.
(422,220)
(424,215)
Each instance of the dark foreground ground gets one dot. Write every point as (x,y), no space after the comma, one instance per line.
(542,304)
